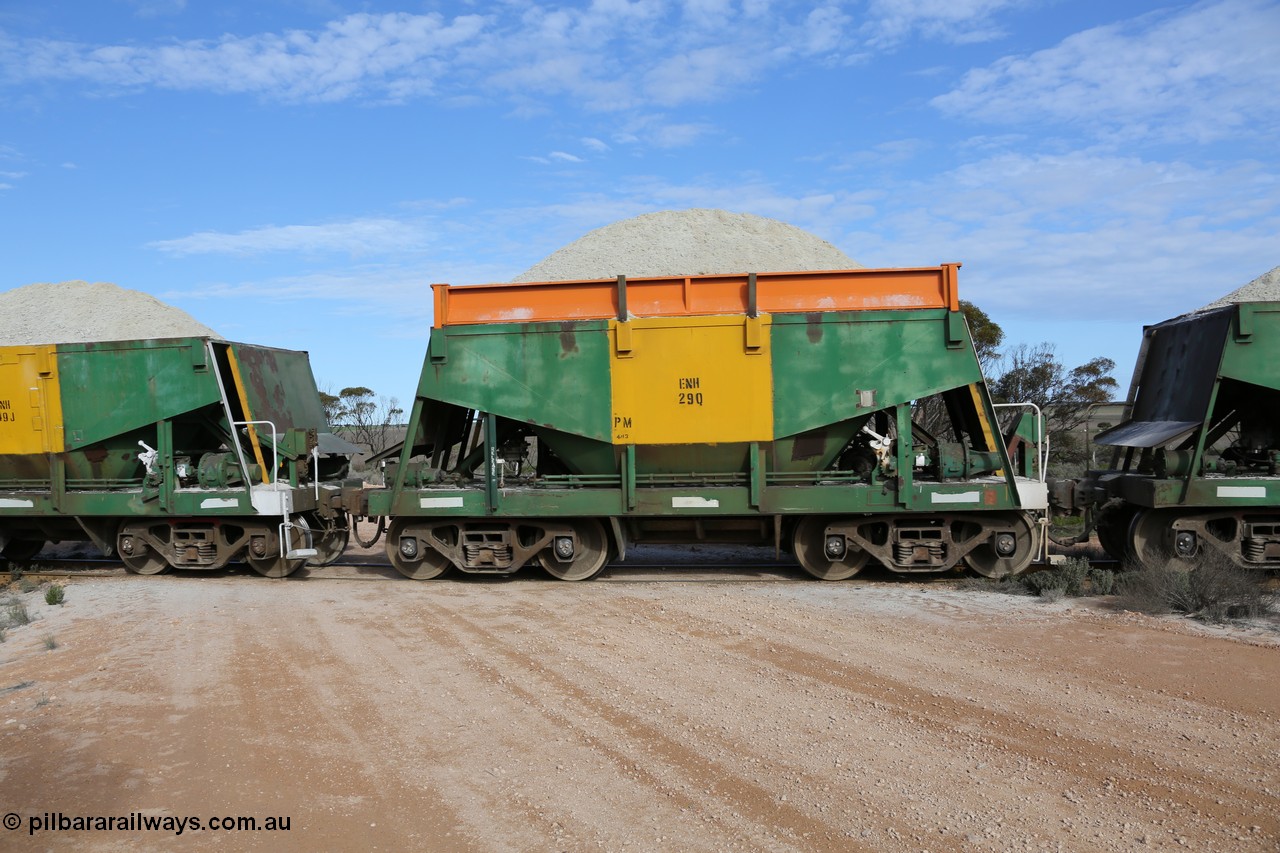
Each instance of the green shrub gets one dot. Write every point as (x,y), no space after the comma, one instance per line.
(1073,570)
(50,642)
(1102,581)
(1073,577)
(55,594)
(17,613)
(1221,590)
(1038,583)
(1157,589)
(970,583)
(1213,588)
(1010,585)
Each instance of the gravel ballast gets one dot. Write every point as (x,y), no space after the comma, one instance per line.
(699,241)
(81,312)
(1264,288)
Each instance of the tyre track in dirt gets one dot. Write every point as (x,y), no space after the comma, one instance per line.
(1117,770)
(512,717)
(181,715)
(470,745)
(802,782)
(467,745)
(635,748)
(790,751)
(299,711)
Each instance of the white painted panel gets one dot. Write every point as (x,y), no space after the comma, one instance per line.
(958,498)
(273,499)
(219,503)
(694,503)
(12,503)
(439,503)
(1242,491)
(1033,494)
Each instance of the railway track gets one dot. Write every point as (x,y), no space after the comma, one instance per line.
(59,569)
(632,571)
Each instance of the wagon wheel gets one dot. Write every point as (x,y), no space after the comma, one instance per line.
(271,564)
(138,556)
(328,536)
(833,559)
(990,560)
(424,563)
(590,552)
(22,550)
(1151,539)
(1112,527)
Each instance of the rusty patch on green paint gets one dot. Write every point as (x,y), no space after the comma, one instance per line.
(568,338)
(813,326)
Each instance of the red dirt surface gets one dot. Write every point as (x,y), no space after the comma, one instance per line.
(644,714)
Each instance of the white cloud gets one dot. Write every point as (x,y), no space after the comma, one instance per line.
(376,285)
(824,29)
(389,56)
(157,8)
(356,237)
(1201,73)
(877,157)
(1084,233)
(397,296)
(659,132)
(564,157)
(608,55)
(678,135)
(13,155)
(957,21)
(438,203)
(705,74)
(595,144)
(1073,236)
(707,14)
(1064,237)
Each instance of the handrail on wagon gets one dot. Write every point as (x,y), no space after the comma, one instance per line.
(275,450)
(1042,444)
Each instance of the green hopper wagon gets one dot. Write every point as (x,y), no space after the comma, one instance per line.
(1196,462)
(558,422)
(185,452)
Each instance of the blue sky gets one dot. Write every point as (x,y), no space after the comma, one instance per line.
(296,173)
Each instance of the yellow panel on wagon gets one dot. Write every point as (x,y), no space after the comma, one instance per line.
(30,400)
(691,380)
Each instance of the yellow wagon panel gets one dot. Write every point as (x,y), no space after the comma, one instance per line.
(30,400)
(691,380)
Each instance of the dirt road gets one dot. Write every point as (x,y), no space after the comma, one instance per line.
(535,715)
